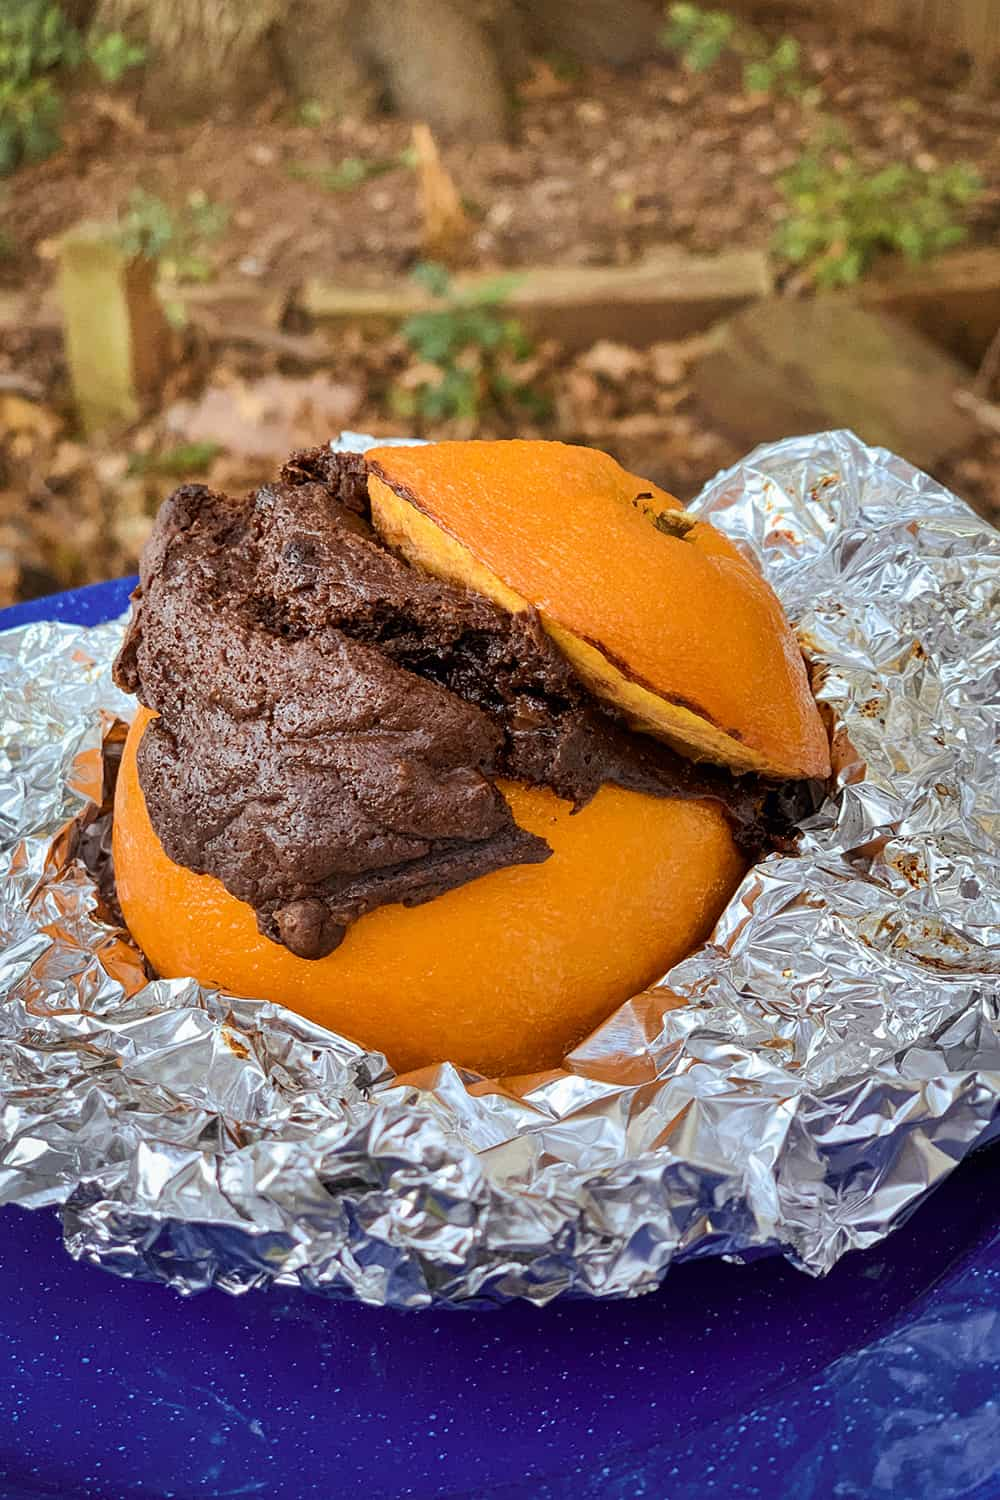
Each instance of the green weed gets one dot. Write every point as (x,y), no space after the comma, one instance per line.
(29,122)
(37,41)
(312,113)
(177,238)
(841,215)
(350,172)
(478,352)
(774,70)
(176,463)
(700,36)
(565,67)
(703,37)
(35,38)
(113,55)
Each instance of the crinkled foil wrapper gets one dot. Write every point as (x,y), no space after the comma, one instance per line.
(797,1085)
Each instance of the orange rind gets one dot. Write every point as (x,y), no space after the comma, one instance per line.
(502,975)
(659,615)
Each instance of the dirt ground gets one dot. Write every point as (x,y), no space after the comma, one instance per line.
(603,168)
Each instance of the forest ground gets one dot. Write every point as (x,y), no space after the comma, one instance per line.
(604,168)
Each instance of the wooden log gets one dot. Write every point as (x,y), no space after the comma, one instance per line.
(118,342)
(954,300)
(785,367)
(667,295)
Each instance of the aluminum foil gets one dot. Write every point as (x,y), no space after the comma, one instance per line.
(796,1085)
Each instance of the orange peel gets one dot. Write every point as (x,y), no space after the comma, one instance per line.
(503,975)
(659,614)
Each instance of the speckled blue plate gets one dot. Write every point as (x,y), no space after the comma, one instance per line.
(731,1381)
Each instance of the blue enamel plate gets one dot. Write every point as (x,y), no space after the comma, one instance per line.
(732,1381)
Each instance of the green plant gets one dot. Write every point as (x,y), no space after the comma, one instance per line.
(842,215)
(565,67)
(774,70)
(312,113)
(177,462)
(350,172)
(113,55)
(477,353)
(29,122)
(206,219)
(702,37)
(148,225)
(36,39)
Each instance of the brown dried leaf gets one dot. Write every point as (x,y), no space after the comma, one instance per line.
(614,362)
(266,418)
(18,415)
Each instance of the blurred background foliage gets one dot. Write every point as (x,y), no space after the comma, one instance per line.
(229,226)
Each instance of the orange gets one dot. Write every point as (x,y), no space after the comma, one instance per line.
(657,613)
(503,975)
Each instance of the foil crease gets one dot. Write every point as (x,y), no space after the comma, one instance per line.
(797,1085)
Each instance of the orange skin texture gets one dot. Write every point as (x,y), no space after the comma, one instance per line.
(687,618)
(503,975)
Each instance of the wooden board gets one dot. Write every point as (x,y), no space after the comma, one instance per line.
(667,295)
(785,367)
(954,300)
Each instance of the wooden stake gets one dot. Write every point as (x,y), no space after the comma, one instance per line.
(446,232)
(118,342)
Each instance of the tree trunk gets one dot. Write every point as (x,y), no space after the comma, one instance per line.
(450,63)
(439,66)
(317,46)
(594,31)
(204,55)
